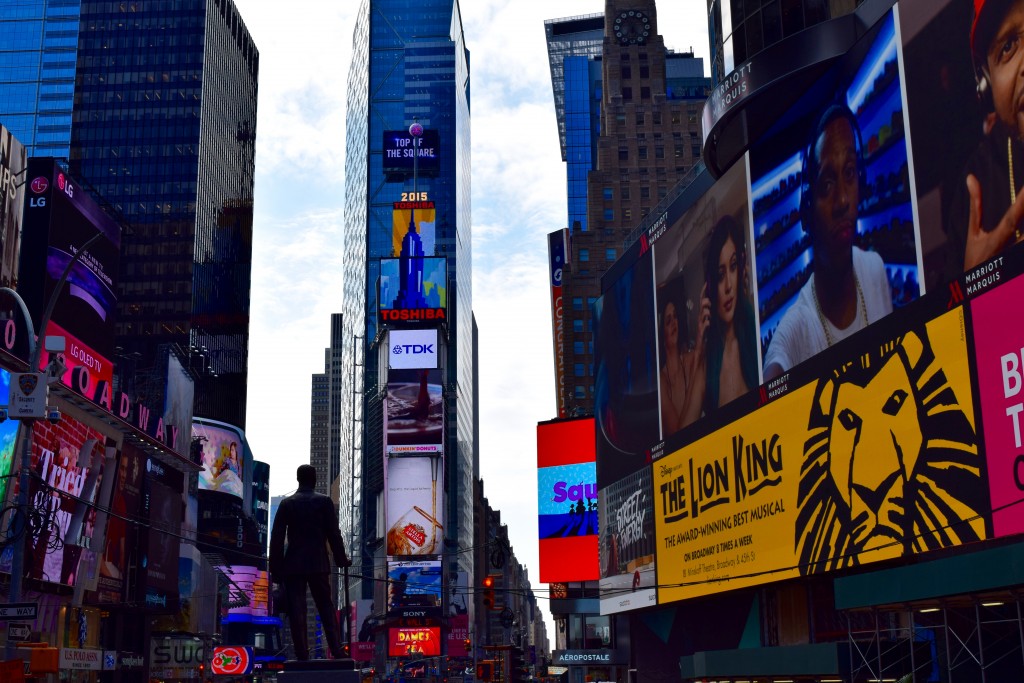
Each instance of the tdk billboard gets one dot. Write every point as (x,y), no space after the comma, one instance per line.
(412,349)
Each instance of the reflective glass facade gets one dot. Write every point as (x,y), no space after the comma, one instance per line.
(164,129)
(37,72)
(739,29)
(410,64)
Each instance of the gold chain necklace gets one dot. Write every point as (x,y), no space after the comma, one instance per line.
(1013,184)
(821,314)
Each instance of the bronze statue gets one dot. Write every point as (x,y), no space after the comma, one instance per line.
(306,523)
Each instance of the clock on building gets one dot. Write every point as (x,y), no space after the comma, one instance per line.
(632,27)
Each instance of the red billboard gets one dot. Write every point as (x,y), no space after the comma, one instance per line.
(567,501)
(414,642)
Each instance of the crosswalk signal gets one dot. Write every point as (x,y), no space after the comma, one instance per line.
(489,602)
(485,670)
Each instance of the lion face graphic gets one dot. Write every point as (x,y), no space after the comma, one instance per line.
(891,463)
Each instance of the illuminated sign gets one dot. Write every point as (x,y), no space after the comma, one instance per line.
(412,349)
(567,501)
(400,149)
(231,661)
(414,642)
(413,289)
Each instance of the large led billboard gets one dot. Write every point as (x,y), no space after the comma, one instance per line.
(415,494)
(558,245)
(124,506)
(567,501)
(413,228)
(401,151)
(414,588)
(8,438)
(414,412)
(248,590)
(413,349)
(60,218)
(857,202)
(414,642)
(413,290)
(223,458)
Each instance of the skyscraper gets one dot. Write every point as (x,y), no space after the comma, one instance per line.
(163,129)
(412,94)
(37,76)
(647,138)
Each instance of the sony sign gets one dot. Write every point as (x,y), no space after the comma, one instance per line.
(412,349)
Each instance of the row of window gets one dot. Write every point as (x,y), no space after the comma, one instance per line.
(609,254)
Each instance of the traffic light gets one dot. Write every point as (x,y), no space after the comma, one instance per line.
(518,671)
(489,602)
(467,644)
(485,670)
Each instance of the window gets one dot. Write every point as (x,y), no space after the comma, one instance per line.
(645,192)
(627,72)
(624,56)
(579,370)
(584,254)
(623,153)
(627,94)
(577,303)
(645,71)
(577,325)
(659,152)
(624,192)
(657,118)
(609,214)
(627,215)
(639,118)
(642,151)
(577,348)
(579,392)
(645,93)
(609,254)
(607,192)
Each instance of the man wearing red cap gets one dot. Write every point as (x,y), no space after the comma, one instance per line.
(987,213)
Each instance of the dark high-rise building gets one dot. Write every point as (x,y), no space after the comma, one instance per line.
(163,129)
(408,82)
(645,138)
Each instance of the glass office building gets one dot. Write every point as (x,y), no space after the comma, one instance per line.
(164,129)
(409,65)
(37,72)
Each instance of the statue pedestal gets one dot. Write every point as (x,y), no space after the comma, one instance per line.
(319,671)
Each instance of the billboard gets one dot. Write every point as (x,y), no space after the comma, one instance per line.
(401,150)
(121,534)
(414,642)
(558,247)
(567,501)
(8,438)
(413,349)
(248,585)
(414,588)
(179,395)
(13,161)
(414,412)
(415,494)
(223,458)
(833,215)
(163,509)
(60,218)
(413,228)
(413,289)
(67,462)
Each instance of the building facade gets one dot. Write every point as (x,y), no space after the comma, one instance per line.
(645,138)
(409,72)
(164,131)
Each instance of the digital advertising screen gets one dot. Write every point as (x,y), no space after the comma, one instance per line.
(832,204)
(8,438)
(414,642)
(557,248)
(413,228)
(60,218)
(59,481)
(414,415)
(415,588)
(567,501)
(249,583)
(121,534)
(164,515)
(413,290)
(401,150)
(223,459)
(415,494)
(179,394)
(413,349)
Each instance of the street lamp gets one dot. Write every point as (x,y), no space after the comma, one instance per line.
(25,430)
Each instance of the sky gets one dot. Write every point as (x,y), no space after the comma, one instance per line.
(518,197)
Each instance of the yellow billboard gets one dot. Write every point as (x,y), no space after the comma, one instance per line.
(876,460)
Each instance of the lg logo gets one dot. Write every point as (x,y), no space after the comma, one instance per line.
(399,349)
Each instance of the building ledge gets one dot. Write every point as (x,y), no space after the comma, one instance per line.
(820,659)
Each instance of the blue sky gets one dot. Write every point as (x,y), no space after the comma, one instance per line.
(518,194)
